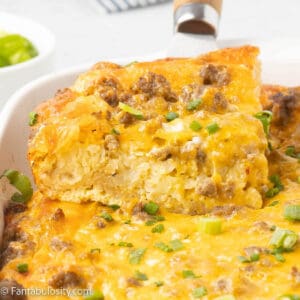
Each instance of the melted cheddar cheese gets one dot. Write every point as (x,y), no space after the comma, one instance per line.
(85,147)
(127,251)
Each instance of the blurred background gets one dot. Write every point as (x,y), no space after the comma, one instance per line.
(85,32)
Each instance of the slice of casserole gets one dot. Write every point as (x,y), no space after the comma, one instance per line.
(179,132)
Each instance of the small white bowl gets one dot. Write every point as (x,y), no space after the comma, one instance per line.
(13,77)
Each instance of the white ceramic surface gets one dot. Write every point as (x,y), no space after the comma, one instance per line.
(13,77)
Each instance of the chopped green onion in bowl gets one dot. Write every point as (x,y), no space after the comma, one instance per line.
(15,49)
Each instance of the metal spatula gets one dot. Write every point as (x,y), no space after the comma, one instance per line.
(196,27)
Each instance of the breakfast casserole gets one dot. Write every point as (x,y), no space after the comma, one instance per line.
(123,135)
(172,179)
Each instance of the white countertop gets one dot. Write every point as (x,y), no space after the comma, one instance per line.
(86,33)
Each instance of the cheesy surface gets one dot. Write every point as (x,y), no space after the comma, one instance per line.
(87,146)
(120,250)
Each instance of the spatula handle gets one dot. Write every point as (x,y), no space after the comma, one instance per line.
(197,16)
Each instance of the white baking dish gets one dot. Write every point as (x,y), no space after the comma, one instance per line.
(14,129)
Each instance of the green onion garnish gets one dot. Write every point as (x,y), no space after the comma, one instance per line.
(188,274)
(273,203)
(95,295)
(199,292)
(279,257)
(94,250)
(265,117)
(210,225)
(283,238)
(159,283)
(125,244)
(151,208)
(170,116)
(253,257)
(115,131)
(32,118)
(126,108)
(154,219)
(107,217)
(212,128)
(277,186)
(290,151)
(159,228)
(192,105)
(140,276)
(196,126)
(136,255)
(114,206)
(21,183)
(163,246)
(176,245)
(22,268)
(292,212)
(173,245)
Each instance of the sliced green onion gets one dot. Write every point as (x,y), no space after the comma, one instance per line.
(286,239)
(290,151)
(22,268)
(196,126)
(15,49)
(173,245)
(170,116)
(136,255)
(107,217)
(114,206)
(140,276)
(115,131)
(279,257)
(125,244)
(127,222)
(212,128)
(21,183)
(192,105)
(154,219)
(265,117)
(94,250)
(159,283)
(159,228)
(273,203)
(163,246)
(292,212)
(210,225)
(32,118)
(126,108)
(151,208)
(277,186)
(254,257)
(243,259)
(95,295)
(199,292)
(176,245)
(188,274)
